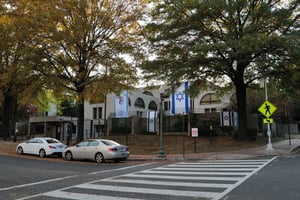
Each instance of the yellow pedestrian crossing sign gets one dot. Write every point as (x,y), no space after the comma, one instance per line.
(267,109)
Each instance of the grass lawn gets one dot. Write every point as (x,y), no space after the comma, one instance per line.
(173,144)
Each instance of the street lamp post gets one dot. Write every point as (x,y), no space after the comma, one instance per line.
(161,153)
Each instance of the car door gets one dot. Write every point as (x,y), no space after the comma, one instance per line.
(31,146)
(79,150)
(91,149)
(36,145)
(27,146)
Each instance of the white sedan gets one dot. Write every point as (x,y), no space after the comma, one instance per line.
(42,146)
(98,150)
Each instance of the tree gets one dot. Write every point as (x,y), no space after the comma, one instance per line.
(17,79)
(215,40)
(83,44)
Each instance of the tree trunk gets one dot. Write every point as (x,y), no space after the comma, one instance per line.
(80,119)
(242,109)
(9,115)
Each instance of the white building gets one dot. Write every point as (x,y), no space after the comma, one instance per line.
(140,102)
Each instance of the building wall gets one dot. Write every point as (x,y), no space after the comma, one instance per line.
(110,109)
(138,93)
(224,103)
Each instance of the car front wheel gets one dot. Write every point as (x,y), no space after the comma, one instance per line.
(99,158)
(20,150)
(69,156)
(42,153)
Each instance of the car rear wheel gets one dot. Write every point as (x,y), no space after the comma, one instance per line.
(20,150)
(99,158)
(69,156)
(42,153)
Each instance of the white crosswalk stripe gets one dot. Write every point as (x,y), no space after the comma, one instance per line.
(185,180)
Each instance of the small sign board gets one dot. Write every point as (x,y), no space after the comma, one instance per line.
(268,120)
(194,132)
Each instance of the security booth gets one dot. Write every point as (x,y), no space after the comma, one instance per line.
(53,126)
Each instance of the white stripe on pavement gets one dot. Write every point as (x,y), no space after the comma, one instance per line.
(149,190)
(79,196)
(185,177)
(199,173)
(208,169)
(217,162)
(37,183)
(168,183)
(210,165)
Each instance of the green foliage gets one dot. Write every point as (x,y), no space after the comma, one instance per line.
(17,79)
(68,108)
(79,46)
(212,39)
(206,39)
(83,44)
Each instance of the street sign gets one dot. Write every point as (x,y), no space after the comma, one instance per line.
(267,109)
(194,132)
(268,120)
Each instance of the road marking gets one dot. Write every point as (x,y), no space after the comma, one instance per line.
(37,183)
(208,169)
(58,179)
(243,179)
(200,178)
(119,169)
(78,196)
(169,183)
(207,179)
(205,172)
(148,190)
(66,177)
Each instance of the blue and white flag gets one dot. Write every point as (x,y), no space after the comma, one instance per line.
(228,118)
(180,101)
(151,121)
(121,104)
(235,119)
(225,118)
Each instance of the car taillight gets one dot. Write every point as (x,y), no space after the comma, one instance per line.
(51,147)
(113,149)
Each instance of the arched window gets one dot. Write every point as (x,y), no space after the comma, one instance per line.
(148,93)
(139,103)
(152,106)
(209,98)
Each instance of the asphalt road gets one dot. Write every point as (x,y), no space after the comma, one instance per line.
(259,179)
(277,181)
(21,177)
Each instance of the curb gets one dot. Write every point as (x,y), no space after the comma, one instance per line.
(229,155)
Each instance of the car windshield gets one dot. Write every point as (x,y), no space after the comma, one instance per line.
(51,141)
(109,142)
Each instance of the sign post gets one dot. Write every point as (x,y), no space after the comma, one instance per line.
(195,135)
(267,109)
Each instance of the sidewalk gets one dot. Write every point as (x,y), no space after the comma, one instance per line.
(281,148)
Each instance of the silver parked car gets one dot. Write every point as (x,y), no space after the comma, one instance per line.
(98,150)
(42,146)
